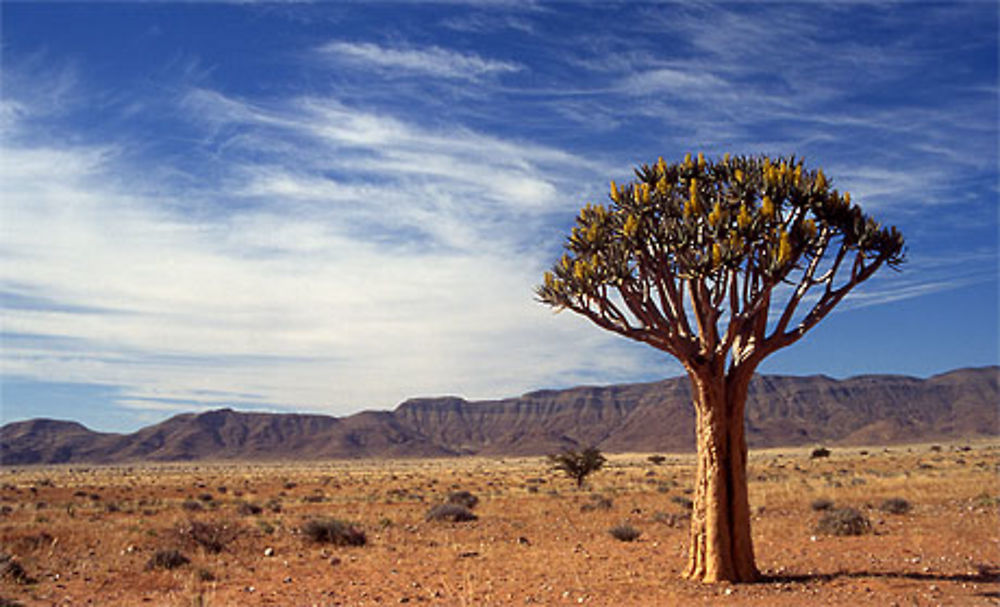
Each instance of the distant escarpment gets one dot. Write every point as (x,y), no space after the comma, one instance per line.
(781,411)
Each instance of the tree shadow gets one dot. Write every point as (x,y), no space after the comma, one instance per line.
(986,574)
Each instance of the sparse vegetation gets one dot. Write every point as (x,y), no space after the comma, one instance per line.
(597,502)
(821,504)
(526,537)
(248,509)
(455,513)
(683,502)
(11,569)
(656,460)
(895,505)
(334,531)
(624,533)
(819,452)
(578,465)
(463,498)
(167,559)
(843,521)
(211,536)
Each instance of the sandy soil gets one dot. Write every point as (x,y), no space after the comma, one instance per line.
(84,535)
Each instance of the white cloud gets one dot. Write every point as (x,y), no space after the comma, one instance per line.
(433,61)
(307,294)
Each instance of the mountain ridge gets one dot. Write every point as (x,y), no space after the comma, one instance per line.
(782,410)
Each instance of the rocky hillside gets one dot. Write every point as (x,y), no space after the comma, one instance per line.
(657,416)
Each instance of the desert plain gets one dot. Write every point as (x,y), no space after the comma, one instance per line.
(237,533)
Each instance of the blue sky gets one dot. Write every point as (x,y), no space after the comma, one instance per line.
(333,207)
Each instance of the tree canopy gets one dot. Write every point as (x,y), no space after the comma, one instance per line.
(722,235)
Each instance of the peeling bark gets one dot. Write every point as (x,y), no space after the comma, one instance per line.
(721,545)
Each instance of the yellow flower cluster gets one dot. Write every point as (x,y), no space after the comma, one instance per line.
(715,216)
(743,218)
(820,180)
(631,226)
(767,207)
(693,206)
(641,193)
(784,249)
(781,174)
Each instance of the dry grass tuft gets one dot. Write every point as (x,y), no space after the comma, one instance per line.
(844,521)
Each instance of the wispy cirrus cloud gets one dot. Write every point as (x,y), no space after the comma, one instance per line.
(342,259)
(430,61)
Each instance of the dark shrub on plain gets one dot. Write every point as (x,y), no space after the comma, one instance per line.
(192,505)
(895,505)
(843,521)
(819,452)
(11,570)
(597,502)
(248,509)
(450,512)
(463,498)
(334,531)
(625,533)
(656,460)
(212,536)
(167,559)
(682,501)
(821,504)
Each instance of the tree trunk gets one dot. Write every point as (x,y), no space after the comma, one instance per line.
(721,546)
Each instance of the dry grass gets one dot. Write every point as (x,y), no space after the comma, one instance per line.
(537,540)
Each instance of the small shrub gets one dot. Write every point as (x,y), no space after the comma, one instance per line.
(821,504)
(265,527)
(450,512)
(192,506)
(843,521)
(672,519)
(212,536)
(11,570)
(656,460)
(895,505)
(625,533)
(683,502)
(597,502)
(248,509)
(819,452)
(167,559)
(334,531)
(578,465)
(205,575)
(463,498)
(985,500)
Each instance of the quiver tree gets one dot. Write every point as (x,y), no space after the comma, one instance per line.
(720,264)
